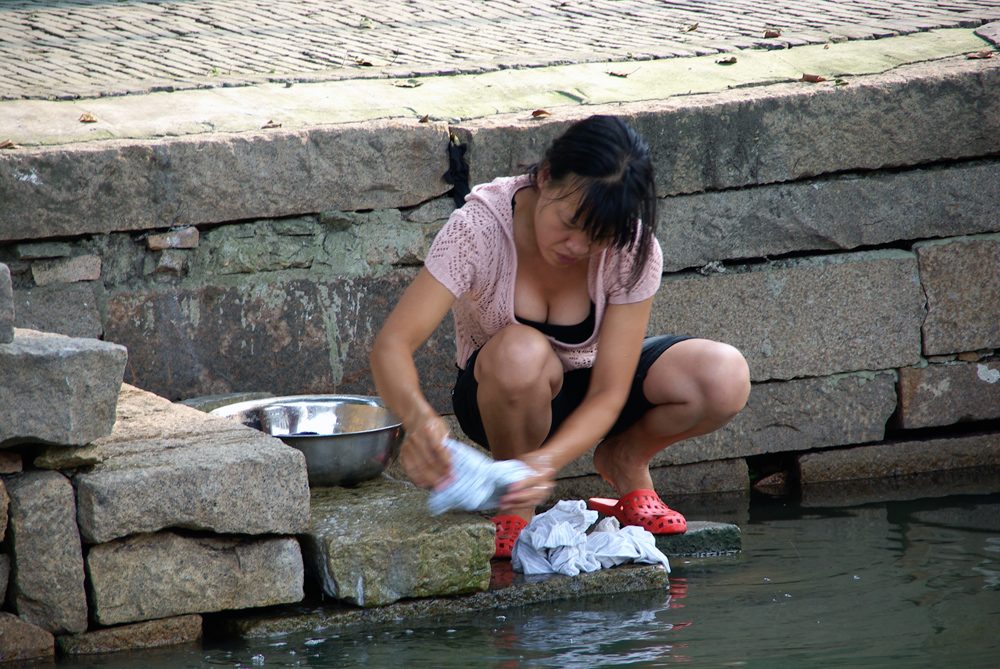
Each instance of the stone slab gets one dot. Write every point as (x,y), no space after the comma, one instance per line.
(519,591)
(24,642)
(856,492)
(376,544)
(6,306)
(990,32)
(153,183)
(702,539)
(47,577)
(690,479)
(58,390)
(135,636)
(797,415)
(69,309)
(215,339)
(962,280)
(811,215)
(900,459)
(66,270)
(944,394)
(783,132)
(161,575)
(781,314)
(168,465)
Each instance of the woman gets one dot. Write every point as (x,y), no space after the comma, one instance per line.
(550,276)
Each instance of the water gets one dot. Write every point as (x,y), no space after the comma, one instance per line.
(896,584)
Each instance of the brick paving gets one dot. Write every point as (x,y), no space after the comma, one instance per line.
(62,49)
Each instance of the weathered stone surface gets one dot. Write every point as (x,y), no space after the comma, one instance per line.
(517,591)
(962,280)
(375,544)
(161,575)
(282,337)
(990,32)
(47,578)
(702,538)
(66,270)
(766,134)
(6,306)
(135,636)
(209,403)
(65,308)
(949,393)
(168,465)
(22,641)
(58,390)
(900,459)
(36,250)
(811,215)
(183,238)
(808,317)
(49,192)
(691,479)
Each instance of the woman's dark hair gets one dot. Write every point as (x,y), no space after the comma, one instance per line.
(607,161)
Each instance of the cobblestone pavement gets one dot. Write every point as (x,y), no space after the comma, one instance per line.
(82,48)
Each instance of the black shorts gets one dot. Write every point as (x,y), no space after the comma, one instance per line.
(574,389)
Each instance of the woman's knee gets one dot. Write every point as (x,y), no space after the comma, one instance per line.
(725,380)
(709,376)
(516,358)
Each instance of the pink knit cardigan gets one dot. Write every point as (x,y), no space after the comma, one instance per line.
(474,257)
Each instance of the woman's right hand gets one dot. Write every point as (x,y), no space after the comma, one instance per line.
(423,455)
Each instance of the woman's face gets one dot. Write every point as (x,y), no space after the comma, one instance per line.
(561,242)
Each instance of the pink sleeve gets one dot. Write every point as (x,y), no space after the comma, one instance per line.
(647,284)
(452,256)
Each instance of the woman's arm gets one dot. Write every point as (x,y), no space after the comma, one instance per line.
(620,343)
(419,311)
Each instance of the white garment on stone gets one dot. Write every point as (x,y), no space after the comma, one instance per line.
(477,481)
(556,542)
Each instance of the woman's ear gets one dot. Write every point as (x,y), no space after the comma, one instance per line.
(542,177)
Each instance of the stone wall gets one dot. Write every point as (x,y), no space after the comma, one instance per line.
(843,235)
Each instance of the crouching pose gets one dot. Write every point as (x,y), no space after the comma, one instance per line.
(550,276)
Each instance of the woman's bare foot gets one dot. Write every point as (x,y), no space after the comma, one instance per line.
(618,465)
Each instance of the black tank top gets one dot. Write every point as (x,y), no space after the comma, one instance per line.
(567,334)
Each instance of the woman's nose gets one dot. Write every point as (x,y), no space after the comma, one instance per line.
(579,243)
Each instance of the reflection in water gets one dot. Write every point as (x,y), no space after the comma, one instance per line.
(895,584)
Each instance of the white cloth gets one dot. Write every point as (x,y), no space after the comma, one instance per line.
(477,481)
(555,542)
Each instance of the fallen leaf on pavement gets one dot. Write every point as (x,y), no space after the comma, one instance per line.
(731,60)
(623,75)
(813,78)
(977,55)
(363,62)
(426,118)
(407,83)
(270,124)
(772,32)
(540,113)
(87,117)
(7,144)
(691,27)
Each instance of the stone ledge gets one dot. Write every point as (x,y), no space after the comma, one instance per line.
(702,539)
(135,636)
(517,591)
(151,184)
(900,459)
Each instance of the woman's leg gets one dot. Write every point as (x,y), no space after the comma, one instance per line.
(518,375)
(696,386)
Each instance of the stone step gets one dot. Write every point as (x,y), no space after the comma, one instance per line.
(168,465)
(376,543)
(57,389)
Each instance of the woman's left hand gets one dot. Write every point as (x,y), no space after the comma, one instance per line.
(533,490)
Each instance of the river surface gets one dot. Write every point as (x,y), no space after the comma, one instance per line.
(893,584)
